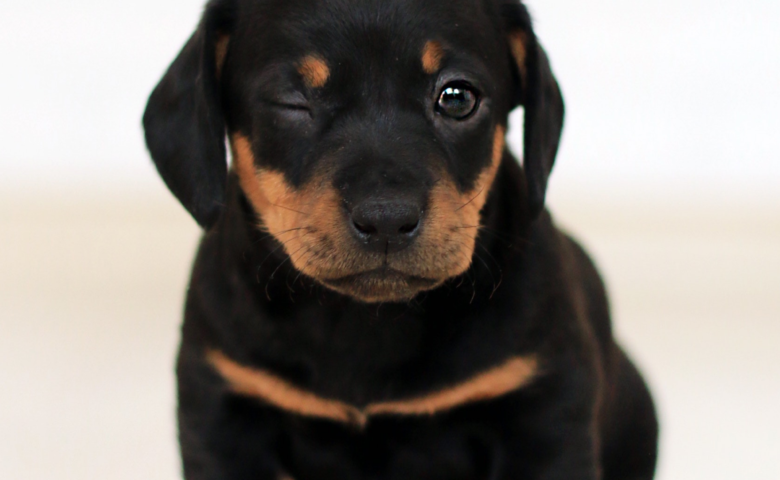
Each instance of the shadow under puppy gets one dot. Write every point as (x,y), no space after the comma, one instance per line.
(380,293)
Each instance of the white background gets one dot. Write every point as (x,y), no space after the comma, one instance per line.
(668,171)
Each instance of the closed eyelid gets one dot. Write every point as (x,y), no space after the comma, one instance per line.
(296,99)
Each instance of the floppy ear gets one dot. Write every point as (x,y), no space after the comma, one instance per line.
(185,126)
(539,93)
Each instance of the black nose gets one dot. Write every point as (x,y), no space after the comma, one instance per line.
(386,226)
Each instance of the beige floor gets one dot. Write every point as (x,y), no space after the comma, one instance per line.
(91,293)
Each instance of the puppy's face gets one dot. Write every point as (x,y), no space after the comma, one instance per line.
(365,134)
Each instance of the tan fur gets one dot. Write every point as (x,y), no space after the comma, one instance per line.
(315,71)
(518,42)
(432,56)
(223,41)
(305,221)
(514,374)
(478,196)
(457,215)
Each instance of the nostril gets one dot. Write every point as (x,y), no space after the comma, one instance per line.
(409,228)
(365,229)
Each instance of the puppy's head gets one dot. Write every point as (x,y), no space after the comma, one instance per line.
(365,134)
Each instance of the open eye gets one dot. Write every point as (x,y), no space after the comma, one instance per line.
(457,100)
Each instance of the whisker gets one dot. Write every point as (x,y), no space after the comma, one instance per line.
(288,259)
(485,249)
(470,201)
(273,274)
(468,274)
(260,266)
(306,265)
(277,234)
(300,271)
(490,272)
(290,209)
(464,227)
(496,285)
(282,245)
(508,239)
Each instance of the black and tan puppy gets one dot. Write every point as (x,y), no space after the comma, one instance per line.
(379,293)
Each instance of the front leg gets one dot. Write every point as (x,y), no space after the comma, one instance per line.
(553,432)
(222,437)
(576,458)
(519,437)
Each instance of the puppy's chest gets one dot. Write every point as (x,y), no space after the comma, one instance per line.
(367,356)
(352,371)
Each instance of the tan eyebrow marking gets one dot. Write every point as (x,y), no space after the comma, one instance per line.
(512,375)
(433,54)
(315,71)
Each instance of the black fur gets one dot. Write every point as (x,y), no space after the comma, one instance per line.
(185,127)
(530,289)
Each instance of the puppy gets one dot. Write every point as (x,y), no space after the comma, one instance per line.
(380,293)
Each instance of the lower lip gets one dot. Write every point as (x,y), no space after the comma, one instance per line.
(383,275)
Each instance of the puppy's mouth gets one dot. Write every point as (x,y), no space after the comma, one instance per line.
(383,284)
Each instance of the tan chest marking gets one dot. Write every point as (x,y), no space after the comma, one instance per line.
(512,375)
